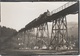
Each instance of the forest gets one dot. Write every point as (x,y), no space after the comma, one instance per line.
(5,35)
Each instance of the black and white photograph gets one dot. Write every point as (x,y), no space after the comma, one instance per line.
(39,28)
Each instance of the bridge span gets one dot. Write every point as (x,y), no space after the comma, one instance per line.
(35,35)
(59,25)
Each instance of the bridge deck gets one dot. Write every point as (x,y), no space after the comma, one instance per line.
(37,22)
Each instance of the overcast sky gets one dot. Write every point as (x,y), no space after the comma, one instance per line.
(18,14)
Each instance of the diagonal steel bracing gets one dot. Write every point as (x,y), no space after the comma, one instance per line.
(28,38)
(42,35)
(59,32)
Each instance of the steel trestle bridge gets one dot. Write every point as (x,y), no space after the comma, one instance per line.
(35,35)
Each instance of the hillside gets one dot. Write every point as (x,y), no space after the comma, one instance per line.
(5,34)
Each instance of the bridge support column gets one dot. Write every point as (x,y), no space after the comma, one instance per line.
(21,39)
(59,33)
(42,36)
(24,39)
(29,38)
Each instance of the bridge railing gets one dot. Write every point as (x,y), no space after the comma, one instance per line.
(62,7)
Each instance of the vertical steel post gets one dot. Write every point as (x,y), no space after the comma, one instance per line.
(42,35)
(59,32)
